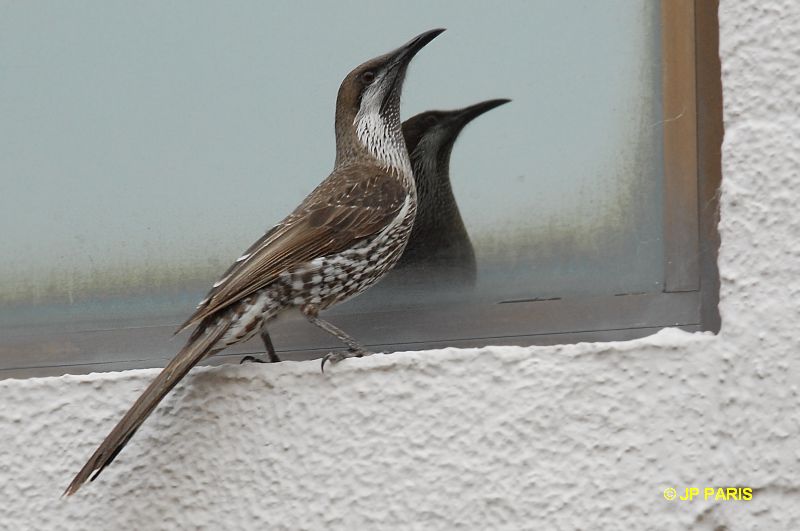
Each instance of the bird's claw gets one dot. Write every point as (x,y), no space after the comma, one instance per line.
(336,357)
(251,359)
(333,358)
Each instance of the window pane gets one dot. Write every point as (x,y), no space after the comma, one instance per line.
(143,146)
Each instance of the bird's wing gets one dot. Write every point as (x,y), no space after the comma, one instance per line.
(353,203)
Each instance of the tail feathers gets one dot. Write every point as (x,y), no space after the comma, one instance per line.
(198,347)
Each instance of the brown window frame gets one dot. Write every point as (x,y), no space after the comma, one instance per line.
(692,107)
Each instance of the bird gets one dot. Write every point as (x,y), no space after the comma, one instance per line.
(439,252)
(439,249)
(346,234)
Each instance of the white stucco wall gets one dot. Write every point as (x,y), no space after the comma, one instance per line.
(574,437)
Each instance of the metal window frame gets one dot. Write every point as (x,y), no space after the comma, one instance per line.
(693,132)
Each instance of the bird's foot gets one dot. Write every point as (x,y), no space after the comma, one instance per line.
(335,357)
(271,358)
(252,359)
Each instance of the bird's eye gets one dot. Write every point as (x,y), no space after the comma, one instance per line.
(368,77)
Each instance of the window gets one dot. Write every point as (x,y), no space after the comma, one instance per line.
(145,146)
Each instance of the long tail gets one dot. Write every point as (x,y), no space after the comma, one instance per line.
(198,347)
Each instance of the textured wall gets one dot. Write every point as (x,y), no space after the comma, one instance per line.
(583,436)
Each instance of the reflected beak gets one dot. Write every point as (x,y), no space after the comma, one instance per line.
(467,114)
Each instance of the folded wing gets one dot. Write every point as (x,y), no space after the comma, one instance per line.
(352,204)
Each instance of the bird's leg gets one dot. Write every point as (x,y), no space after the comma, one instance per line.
(273,357)
(265,337)
(354,348)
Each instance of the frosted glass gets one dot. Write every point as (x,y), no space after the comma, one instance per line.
(144,145)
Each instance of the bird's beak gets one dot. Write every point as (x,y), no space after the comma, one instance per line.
(397,61)
(467,114)
(403,55)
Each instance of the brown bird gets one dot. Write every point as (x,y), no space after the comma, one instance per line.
(439,253)
(341,239)
(439,249)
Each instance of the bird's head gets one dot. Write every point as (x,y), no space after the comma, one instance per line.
(430,135)
(368,104)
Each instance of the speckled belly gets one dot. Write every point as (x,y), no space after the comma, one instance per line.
(322,282)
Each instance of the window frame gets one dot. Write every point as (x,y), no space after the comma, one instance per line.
(692,109)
